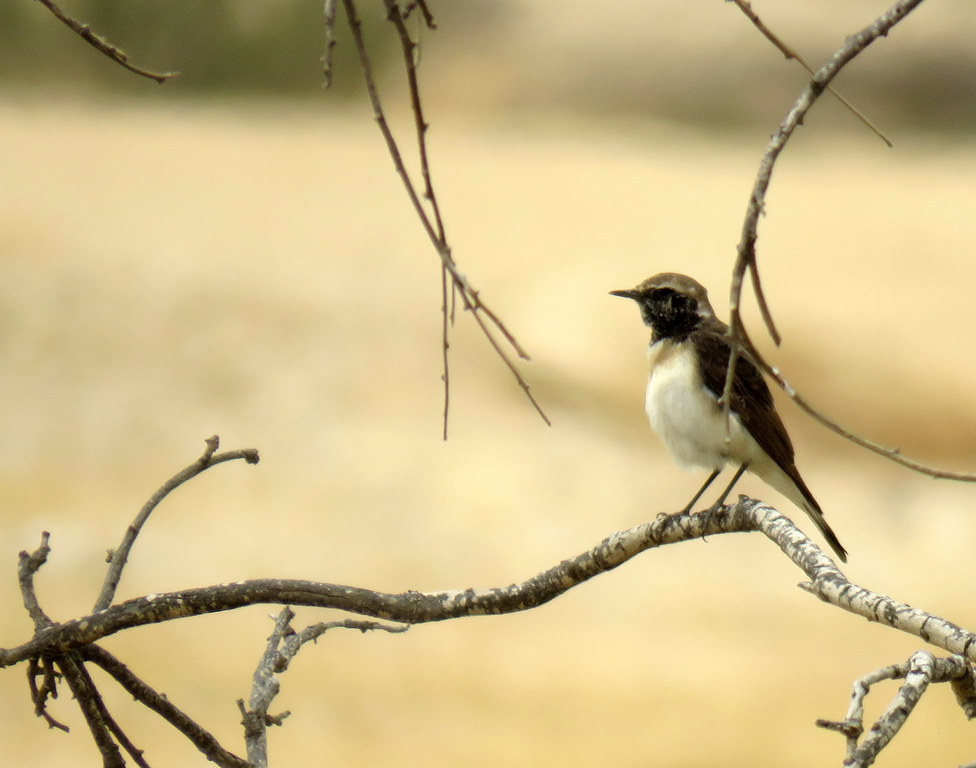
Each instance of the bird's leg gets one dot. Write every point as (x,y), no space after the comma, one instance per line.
(721,499)
(701,490)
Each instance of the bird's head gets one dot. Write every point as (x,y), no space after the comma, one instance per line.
(670,303)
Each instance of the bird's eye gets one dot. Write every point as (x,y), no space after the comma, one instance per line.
(663,293)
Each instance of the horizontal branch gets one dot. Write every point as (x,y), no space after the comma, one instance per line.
(407,607)
(827,582)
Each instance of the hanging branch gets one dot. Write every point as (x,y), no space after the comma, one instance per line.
(103,46)
(329,12)
(490,324)
(790,53)
(746,252)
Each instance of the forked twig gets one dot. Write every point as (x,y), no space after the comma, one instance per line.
(102,45)
(43,667)
(746,252)
(918,672)
(161,705)
(119,557)
(855,44)
(487,320)
(790,53)
(283,645)
(92,707)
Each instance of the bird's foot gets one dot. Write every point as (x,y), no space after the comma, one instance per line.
(708,517)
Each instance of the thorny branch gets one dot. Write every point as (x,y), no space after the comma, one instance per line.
(488,322)
(102,45)
(746,252)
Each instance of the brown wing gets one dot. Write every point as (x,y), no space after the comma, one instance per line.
(751,398)
(753,404)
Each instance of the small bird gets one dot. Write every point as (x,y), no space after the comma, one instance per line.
(689,358)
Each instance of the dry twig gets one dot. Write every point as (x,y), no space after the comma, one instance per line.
(104,46)
(488,322)
(790,53)
(107,733)
(746,252)
(118,558)
(282,646)
(918,672)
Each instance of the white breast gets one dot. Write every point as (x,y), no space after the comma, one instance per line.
(686,416)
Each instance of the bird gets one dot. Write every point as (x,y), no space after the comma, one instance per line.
(689,357)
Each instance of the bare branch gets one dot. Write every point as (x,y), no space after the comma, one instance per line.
(28,565)
(120,556)
(329,12)
(91,707)
(790,53)
(283,645)
(854,45)
(828,583)
(48,690)
(894,454)
(264,687)
(432,224)
(161,705)
(104,46)
(746,253)
(918,672)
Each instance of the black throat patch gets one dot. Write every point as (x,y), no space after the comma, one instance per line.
(672,315)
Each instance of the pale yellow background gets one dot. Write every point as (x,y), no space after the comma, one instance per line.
(175,270)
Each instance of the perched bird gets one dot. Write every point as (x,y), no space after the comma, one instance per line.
(689,358)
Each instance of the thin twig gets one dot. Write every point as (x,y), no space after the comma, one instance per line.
(746,252)
(283,645)
(161,705)
(433,226)
(791,53)
(855,44)
(894,454)
(445,347)
(43,667)
(78,682)
(329,12)
(104,46)
(120,556)
(27,566)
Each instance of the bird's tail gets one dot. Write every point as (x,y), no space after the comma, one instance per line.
(791,485)
(816,514)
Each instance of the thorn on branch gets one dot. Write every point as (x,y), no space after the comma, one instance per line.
(849,729)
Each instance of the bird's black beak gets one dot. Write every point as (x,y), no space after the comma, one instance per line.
(625,294)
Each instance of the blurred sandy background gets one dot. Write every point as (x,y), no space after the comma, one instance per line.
(250,267)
